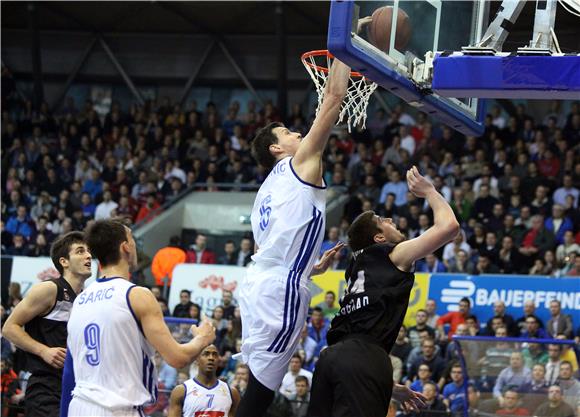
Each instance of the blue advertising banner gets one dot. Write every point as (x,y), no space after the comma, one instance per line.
(483,291)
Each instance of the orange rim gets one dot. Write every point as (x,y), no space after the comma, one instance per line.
(322,52)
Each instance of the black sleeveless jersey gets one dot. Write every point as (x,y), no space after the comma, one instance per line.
(375,299)
(50,329)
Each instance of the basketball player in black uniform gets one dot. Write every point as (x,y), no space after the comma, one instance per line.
(38,324)
(353,377)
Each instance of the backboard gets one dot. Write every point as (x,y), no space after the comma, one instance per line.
(436,26)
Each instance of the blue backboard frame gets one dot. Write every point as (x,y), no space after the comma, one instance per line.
(377,67)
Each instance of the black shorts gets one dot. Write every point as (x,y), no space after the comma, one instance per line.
(353,378)
(42,398)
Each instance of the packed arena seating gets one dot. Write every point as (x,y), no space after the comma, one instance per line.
(515,191)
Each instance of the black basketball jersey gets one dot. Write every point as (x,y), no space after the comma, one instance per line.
(50,329)
(375,299)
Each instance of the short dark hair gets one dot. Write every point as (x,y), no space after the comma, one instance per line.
(317,309)
(362,231)
(261,145)
(331,292)
(467,300)
(297,355)
(185,291)
(104,238)
(61,248)
(301,378)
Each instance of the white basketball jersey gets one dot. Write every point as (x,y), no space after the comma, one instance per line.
(288,220)
(112,360)
(202,401)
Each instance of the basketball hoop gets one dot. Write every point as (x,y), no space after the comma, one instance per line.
(358,93)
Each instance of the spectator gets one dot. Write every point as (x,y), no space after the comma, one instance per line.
(19,246)
(241,378)
(559,323)
(148,209)
(402,347)
(555,406)
(434,406)
(567,247)
(513,376)
(228,305)
(245,253)
(533,329)
(430,264)
(452,248)
(558,224)
(536,241)
(165,260)
(166,374)
(230,257)
(307,348)
(536,391)
(510,405)
(454,318)
(329,309)
(318,327)
(395,186)
(454,392)
(11,392)
(423,377)
(499,311)
(182,309)
(199,253)
(432,316)
(570,386)
(288,387)
(534,354)
(553,364)
(529,310)
(461,263)
(496,359)
(509,259)
(21,224)
(567,188)
(485,265)
(301,398)
(430,358)
(421,325)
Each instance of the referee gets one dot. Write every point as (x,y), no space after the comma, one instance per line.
(353,376)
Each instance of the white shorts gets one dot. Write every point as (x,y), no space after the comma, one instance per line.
(82,408)
(274,306)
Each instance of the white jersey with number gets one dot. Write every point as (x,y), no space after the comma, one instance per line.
(288,220)
(112,360)
(202,401)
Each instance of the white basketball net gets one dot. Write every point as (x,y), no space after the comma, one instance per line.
(358,93)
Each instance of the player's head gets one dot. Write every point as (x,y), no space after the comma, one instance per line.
(112,243)
(368,229)
(70,254)
(207,361)
(273,142)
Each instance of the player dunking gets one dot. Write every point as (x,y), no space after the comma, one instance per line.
(288,226)
(44,313)
(205,395)
(353,376)
(113,330)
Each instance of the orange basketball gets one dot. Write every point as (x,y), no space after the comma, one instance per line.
(379,30)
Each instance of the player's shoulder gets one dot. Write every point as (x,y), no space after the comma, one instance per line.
(43,289)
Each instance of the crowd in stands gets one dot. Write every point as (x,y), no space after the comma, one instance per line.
(515,189)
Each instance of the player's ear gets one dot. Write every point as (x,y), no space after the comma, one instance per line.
(379,238)
(274,148)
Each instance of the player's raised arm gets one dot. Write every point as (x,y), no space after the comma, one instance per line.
(444,229)
(149,314)
(37,302)
(307,161)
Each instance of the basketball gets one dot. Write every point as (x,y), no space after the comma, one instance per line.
(379,30)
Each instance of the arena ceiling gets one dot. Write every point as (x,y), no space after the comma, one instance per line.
(218,18)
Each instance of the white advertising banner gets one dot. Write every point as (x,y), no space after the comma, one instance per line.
(28,271)
(206,283)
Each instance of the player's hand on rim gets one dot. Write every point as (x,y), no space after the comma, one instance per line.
(418,184)
(362,22)
(54,356)
(326,259)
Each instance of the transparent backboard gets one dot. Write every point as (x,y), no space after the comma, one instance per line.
(435,26)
